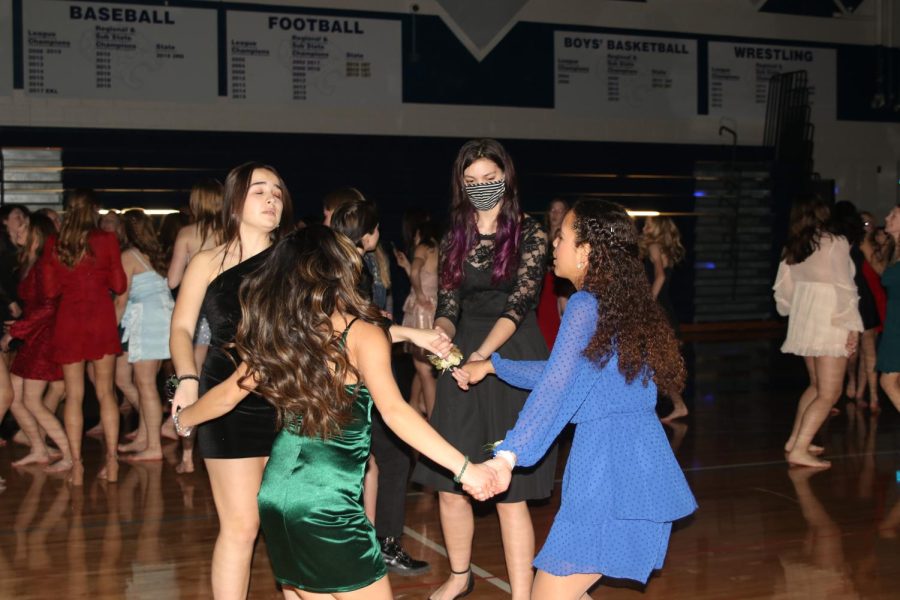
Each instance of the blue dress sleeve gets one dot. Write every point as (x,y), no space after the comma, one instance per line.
(523,374)
(553,400)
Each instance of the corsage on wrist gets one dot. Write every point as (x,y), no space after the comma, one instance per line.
(453,360)
(174,381)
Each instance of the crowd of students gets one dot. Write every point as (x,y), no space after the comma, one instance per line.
(834,284)
(279,340)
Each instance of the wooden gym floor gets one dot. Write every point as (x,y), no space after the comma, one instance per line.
(762,531)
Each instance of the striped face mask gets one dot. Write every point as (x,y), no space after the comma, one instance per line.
(485,196)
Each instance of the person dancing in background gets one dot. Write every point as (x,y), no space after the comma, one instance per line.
(877,248)
(386,478)
(32,369)
(421,304)
(555,291)
(14,219)
(82,266)
(205,233)
(257,211)
(492,263)
(145,314)
(889,347)
(661,250)
(814,288)
(847,222)
(623,487)
(334,362)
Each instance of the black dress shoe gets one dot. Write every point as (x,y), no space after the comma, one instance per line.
(398,561)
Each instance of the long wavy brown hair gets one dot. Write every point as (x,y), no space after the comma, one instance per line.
(206,210)
(630,322)
(81,213)
(142,236)
(663,232)
(286,336)
(809,217)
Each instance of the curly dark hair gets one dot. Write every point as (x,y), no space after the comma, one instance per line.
(286,336)
(630,322)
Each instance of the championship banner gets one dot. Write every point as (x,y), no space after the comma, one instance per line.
(625,75)
(315,60)
(119,51)
(739,75)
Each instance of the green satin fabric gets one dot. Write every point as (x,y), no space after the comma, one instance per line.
(311,508)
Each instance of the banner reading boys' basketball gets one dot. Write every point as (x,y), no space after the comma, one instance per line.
(625,75)
(119,51)
(319,60)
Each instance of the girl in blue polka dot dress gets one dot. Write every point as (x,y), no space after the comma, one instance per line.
(623,487)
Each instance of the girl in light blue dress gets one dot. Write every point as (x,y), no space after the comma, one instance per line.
(145,318)
(623,487)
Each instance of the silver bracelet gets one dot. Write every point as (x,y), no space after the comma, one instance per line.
(182,431)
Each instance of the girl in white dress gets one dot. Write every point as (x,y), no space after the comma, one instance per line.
(814,288)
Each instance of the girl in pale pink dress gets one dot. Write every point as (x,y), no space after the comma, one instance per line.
(814,288)
(420,305)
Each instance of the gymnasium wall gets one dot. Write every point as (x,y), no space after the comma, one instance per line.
(658,73)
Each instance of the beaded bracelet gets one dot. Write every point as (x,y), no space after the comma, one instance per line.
(179,428)
(463,470)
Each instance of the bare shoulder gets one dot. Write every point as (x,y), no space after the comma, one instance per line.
(208,262)
(186,234)
(366,338)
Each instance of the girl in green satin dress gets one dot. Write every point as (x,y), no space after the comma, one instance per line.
(320,354)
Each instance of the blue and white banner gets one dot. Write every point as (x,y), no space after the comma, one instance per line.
(316,60)
(625,75)
(739,75)
(119,51)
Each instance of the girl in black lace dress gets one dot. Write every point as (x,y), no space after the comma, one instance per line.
(491,266)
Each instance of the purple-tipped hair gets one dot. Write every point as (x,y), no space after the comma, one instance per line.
(463,234)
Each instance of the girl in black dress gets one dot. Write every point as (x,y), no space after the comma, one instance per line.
(491,266)
(235,447)
(662,250)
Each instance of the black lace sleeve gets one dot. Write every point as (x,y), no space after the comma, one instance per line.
(532,266)
(448,300)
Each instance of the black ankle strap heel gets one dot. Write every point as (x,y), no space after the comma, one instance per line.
(470,583)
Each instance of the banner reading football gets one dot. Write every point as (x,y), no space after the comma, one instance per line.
(317,60)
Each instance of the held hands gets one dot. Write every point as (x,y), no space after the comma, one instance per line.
(504,473)
(432,340)
(487,479)
(479,481)
(472,372)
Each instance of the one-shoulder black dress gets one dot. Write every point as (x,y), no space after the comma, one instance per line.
(249,429)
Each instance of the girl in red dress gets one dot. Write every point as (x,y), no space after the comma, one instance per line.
(83,269)
(32,368)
